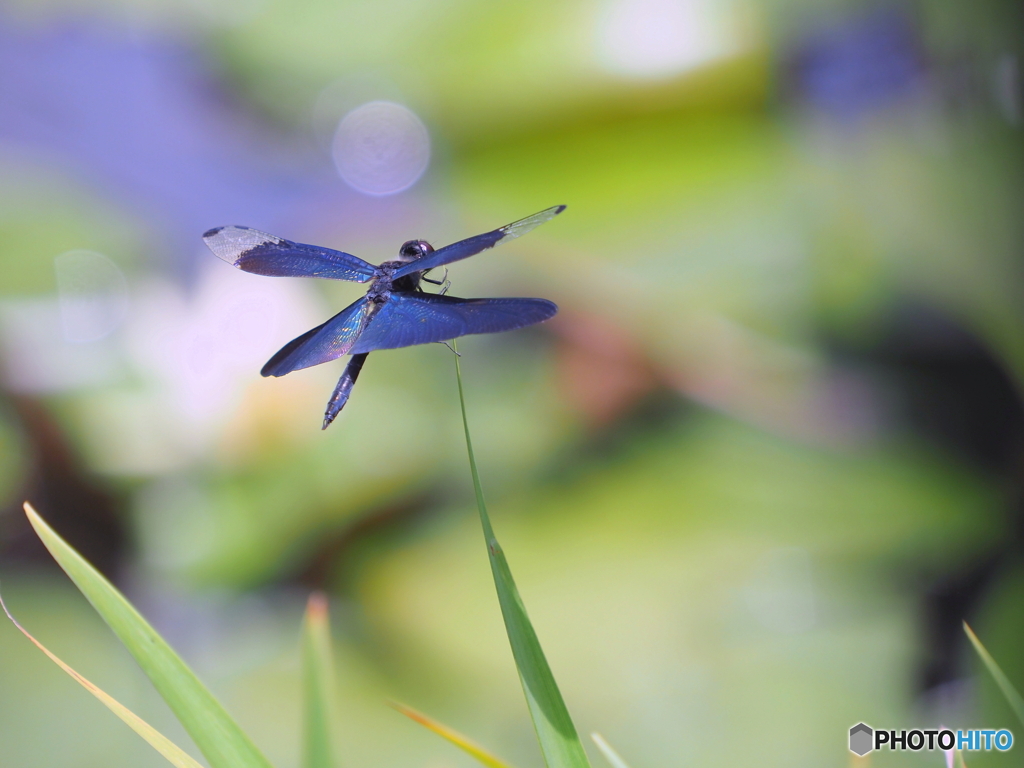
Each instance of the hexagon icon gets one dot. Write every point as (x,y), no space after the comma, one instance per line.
(861,737)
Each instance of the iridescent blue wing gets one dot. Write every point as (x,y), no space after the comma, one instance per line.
(325,342)
(473,245)
(407,319)
(253,251)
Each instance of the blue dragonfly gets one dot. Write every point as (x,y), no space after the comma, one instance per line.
(395,312)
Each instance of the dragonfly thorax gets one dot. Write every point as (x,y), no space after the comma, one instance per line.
(385,281)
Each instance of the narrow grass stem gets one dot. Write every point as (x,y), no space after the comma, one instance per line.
(559,742)
(1013,698)
(481,506)
(610,754)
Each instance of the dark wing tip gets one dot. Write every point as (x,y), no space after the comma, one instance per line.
(273,366)
(560,209)
(217,230)
(545,310)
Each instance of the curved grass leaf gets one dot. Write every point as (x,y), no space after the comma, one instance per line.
(466,745)
(317,684)
(556,733)
(216,734)
(606,749)
(175,755)
(1014,699)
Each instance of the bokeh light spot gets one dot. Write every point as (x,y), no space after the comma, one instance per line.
(92,294)
(381,148)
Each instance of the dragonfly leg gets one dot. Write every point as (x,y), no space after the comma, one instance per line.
(344,388)
(444,282)
(450,347)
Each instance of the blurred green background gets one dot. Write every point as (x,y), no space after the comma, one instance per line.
(750,479)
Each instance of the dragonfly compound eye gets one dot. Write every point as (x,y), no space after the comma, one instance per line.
(415,249)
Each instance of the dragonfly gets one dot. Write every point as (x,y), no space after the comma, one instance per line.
(395,312)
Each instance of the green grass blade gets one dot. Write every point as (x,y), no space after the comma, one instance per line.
(466,745)
(556,733)
(218,737)
(317,684)
(175,755)
(1016,703)
(606,749)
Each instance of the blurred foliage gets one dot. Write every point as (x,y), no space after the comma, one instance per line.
(42,214)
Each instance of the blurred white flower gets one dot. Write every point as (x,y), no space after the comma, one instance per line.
(660,38)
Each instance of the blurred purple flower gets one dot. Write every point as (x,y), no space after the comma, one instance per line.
(138,118)
(859,65)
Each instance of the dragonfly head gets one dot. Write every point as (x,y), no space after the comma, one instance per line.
(414,249)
